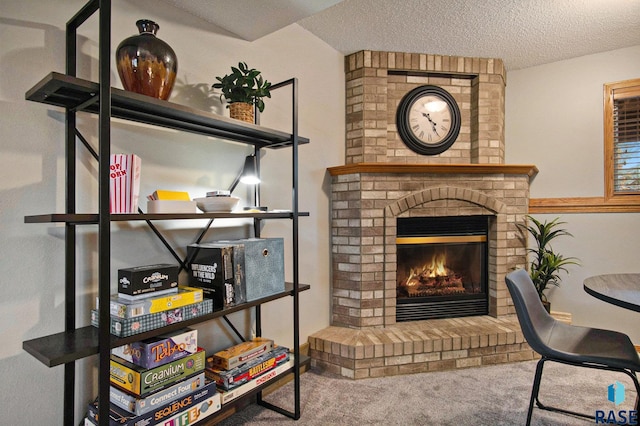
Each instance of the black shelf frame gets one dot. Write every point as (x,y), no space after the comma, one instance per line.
(78,95)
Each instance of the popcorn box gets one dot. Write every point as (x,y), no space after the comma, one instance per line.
(142,381)
(124,183)
(159,350)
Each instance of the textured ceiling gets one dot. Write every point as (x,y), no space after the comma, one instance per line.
(252,19)
(523,33)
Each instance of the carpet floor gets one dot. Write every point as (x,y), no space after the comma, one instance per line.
(491,396)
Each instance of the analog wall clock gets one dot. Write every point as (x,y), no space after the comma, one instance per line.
(428,120)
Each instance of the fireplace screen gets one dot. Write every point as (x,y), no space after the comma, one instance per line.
(441,267)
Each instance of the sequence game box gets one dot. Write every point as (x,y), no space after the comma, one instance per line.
(184,411)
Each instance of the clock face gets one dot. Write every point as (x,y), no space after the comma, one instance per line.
(428,120)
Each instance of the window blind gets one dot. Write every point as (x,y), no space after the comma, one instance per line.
(626,144)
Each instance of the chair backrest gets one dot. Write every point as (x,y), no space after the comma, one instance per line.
(535,321)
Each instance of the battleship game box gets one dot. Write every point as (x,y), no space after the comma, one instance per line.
(160,349)
(142,381)
(238,391)
(184,411)
(229,379)
(239,354)
(147,279)
(125,327)
(142,405)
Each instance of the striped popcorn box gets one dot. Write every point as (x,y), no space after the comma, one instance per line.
(124,183)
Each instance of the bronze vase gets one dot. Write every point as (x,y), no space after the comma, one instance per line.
(146,64)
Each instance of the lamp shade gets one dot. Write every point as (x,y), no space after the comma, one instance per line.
(250,171)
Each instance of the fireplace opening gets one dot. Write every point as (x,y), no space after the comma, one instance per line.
(441,269)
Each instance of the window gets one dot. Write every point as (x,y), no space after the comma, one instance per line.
(622,139)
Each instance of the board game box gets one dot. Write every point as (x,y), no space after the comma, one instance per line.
(239,354)
(229,379)
(123,308)
(238,391)
(140,405)
(142,381)
(125,327)
(211,269)
(184,411)
(160,349)
(147,279)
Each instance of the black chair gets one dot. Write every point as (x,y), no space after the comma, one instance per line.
(567,344)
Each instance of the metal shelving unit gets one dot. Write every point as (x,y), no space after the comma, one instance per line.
(78,95)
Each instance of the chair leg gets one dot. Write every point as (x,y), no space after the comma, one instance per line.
(535,389)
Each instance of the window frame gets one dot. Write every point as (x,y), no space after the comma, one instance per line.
(613,91)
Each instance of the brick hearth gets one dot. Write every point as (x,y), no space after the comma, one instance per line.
(419,346)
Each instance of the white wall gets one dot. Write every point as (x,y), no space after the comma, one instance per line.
(554,119)
(32,176)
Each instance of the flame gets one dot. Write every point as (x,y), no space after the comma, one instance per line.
(434,269)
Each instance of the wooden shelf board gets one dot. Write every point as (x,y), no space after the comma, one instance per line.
(82,95)
(65,347)
(92,218)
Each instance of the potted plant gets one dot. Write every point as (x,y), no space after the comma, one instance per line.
(243,89)
(546,264)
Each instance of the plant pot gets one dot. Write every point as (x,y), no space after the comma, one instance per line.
(547,306)
(146,64)
(241,111)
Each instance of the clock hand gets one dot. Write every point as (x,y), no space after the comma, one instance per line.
(433,124)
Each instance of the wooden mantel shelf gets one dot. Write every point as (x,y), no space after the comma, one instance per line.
(512,169)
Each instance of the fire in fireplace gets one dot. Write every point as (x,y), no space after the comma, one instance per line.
(441,267)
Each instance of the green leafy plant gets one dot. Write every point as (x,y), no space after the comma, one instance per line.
(546,264)
(244,84)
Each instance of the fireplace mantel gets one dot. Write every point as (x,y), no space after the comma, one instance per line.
(513,169)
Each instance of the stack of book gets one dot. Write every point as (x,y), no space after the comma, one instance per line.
(159,381)
(243,367)
(148,298)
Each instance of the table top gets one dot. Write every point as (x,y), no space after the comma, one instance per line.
(618,289)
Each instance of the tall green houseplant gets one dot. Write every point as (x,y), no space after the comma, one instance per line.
(546,264)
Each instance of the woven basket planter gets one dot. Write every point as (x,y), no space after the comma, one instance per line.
(241,111)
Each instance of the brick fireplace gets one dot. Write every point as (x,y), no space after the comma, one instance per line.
(382,180)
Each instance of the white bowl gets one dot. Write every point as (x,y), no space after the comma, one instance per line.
(216,204)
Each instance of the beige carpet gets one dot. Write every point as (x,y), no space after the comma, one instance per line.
(491,396)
